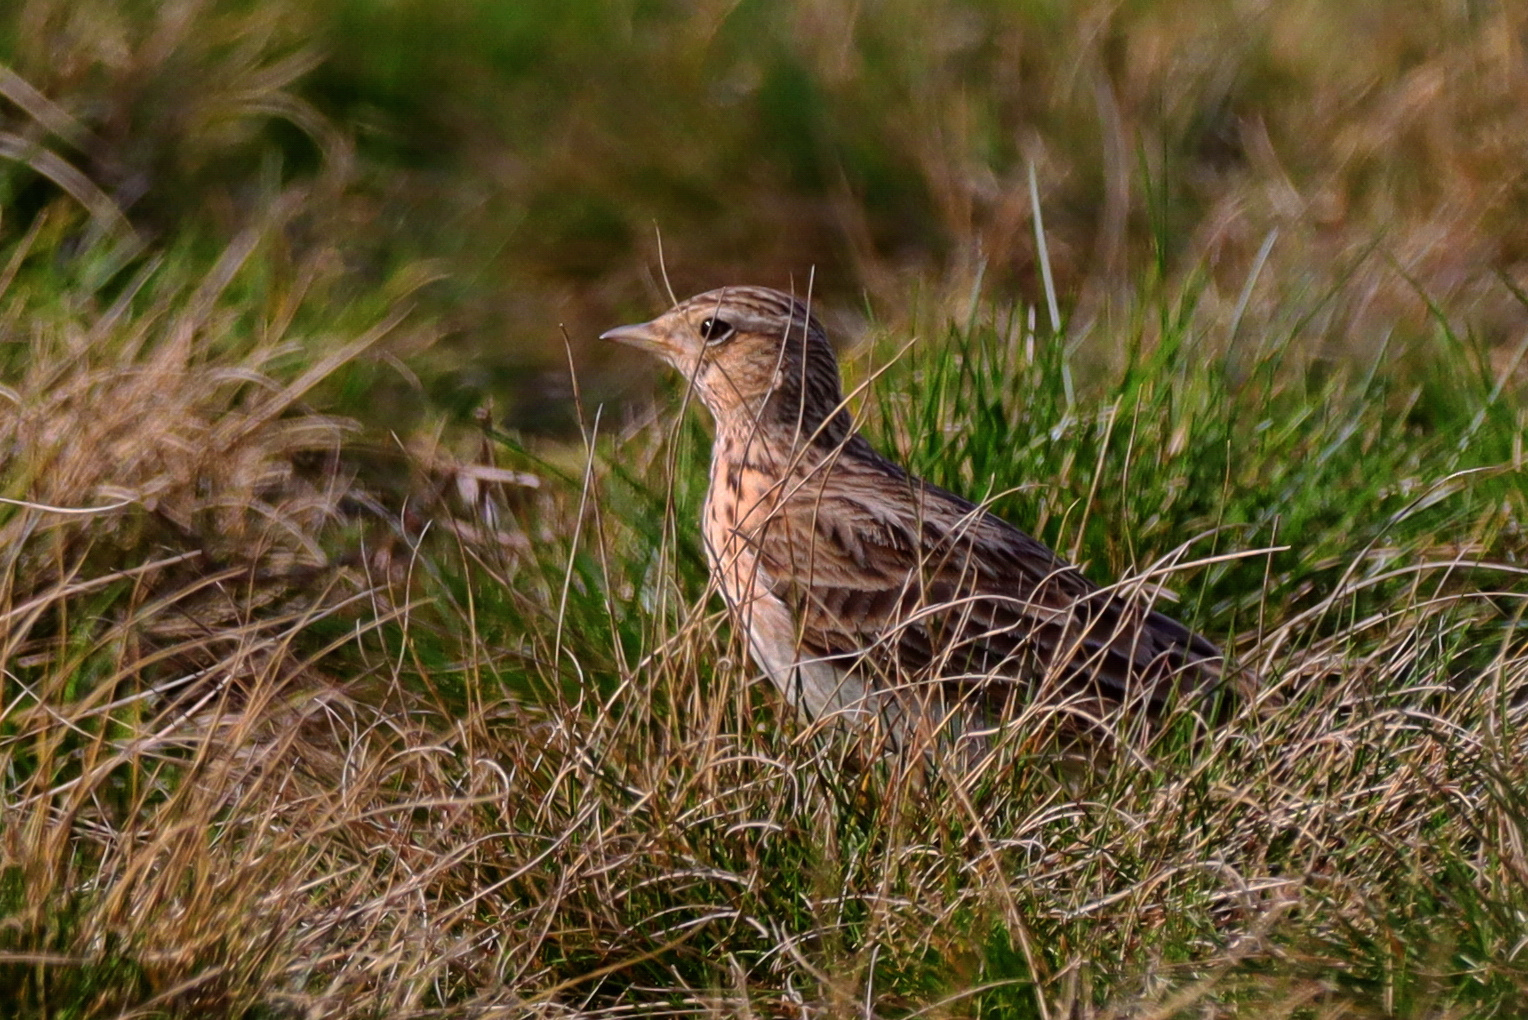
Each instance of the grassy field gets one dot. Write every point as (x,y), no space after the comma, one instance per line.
(534,152)
(325,694)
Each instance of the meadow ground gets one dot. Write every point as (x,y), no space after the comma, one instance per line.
(305,721)
(322,695)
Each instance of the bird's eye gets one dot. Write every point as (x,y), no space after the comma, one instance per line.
(714,331)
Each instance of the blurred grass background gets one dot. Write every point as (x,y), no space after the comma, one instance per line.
(535,152)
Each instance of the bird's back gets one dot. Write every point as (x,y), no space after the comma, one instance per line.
(897,584)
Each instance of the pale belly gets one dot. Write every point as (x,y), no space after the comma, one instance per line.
(817,688)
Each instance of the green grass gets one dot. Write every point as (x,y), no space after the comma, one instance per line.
(324,693)
(537,150)
(389,744)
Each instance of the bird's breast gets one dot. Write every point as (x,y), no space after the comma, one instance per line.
(740,507)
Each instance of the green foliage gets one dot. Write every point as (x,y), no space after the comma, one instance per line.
(1181,450)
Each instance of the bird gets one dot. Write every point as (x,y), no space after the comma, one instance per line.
(871,596)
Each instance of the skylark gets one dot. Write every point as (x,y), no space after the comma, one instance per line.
(867,593)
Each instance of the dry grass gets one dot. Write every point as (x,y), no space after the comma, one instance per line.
(272,749)
(301,718)
(171,510)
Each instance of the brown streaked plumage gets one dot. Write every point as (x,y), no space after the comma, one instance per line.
(867,592)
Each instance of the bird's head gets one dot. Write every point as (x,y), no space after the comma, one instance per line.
(756,357)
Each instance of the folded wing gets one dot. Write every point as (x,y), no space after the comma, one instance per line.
(909,580)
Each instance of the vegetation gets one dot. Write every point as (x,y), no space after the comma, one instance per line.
(322,693)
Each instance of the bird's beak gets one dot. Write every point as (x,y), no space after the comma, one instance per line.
(642,335)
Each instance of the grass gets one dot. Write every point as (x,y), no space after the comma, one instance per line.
(322,694)
(295,724)
(763,142)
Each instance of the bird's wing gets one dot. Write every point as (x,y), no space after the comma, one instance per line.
(883,567)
